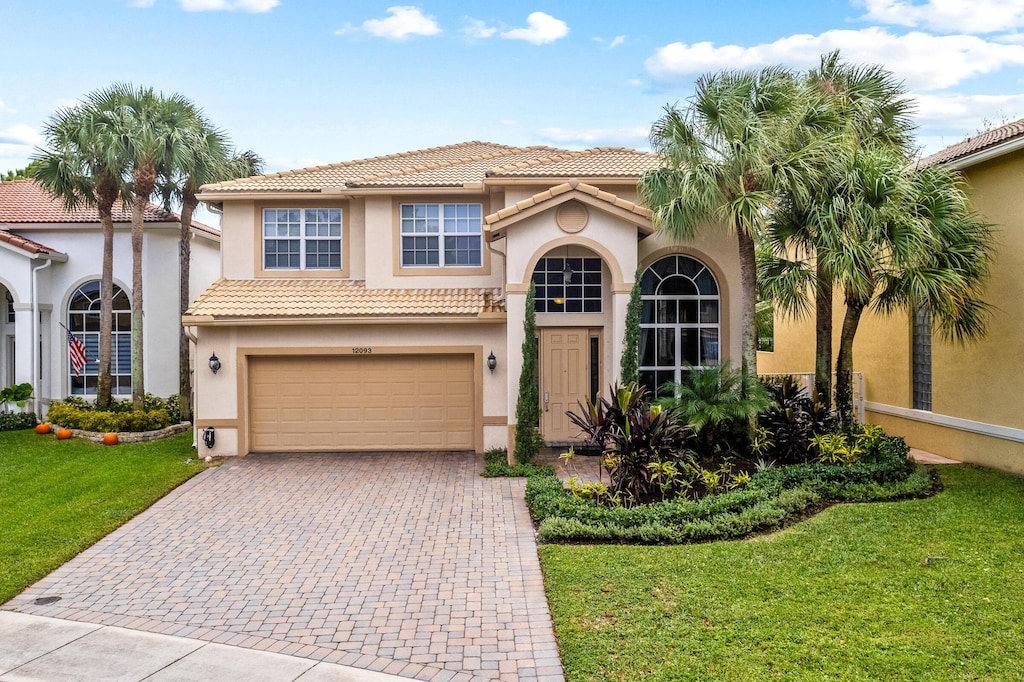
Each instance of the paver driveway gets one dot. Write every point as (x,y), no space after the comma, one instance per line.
(407,563)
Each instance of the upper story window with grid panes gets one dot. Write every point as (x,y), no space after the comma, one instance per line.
(302,239)
(442,235)
(568,285)
(10,306)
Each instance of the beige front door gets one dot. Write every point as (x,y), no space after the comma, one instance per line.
(564,379)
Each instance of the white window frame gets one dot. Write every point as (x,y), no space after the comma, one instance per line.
(303,238)
(435,229)
(120,340)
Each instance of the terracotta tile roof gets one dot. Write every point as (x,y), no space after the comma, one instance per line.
(24,244)
(25,201)
(596,162)
(563,188)
(336,298)
(451,166)
(978,143)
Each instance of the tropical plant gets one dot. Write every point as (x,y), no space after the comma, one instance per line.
(79,167)
(528,438)
(639,440)
(630,362)
(19,394)
(718,402)
(854,107)
(793,420)
(726,157)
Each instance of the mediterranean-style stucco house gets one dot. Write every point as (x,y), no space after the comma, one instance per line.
(50,263)
(959,401)
(378,304)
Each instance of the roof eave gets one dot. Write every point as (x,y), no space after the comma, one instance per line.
(498,180)
(988,154)
(258,320)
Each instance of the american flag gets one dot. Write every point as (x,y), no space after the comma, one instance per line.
(77,349)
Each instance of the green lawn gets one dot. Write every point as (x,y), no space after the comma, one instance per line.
(59,497)
(854,593)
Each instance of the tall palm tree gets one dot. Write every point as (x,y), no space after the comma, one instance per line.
(911,240)
(858,106)
(726,157)
(212,159)
(77,167)
(152,133)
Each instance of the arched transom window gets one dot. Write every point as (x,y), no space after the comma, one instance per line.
(679,321)
(84,323)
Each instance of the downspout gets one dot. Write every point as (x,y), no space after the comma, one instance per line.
(34,329)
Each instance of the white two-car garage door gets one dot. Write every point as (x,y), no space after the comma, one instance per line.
(361,402)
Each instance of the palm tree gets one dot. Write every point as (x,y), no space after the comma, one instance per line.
(78,168)
(152,132)
(211,160)
(727,157)
(857,105)
(911,240)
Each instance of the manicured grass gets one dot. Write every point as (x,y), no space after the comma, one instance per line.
(928,589)
(59,497)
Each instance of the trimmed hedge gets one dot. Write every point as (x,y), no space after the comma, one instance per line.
(773,497)
(14,421)
(497,466)
(71,417)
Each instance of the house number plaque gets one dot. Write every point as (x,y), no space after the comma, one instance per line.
(362,350)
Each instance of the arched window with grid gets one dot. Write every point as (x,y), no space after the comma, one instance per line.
(84,324)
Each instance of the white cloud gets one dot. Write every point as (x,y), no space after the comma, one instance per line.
(346,30)
(923,61)
(476,29)
(4,109)
(141,3)
(952,16)
(630,136)
(540,29)
(405,21)
(968,113)
(255,6)
(616,41)
(508,122)
(20,134)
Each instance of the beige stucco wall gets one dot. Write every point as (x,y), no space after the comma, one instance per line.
(979,382)
(222,397)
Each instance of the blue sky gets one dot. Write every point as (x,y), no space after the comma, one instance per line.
(305,82)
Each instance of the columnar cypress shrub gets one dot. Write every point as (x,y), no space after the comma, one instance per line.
(631,343)
(528,440)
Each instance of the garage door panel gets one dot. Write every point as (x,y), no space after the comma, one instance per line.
(307,403)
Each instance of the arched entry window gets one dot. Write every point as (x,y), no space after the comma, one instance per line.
(84,323)
(679,321)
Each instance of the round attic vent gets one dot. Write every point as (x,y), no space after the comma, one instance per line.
(572,216)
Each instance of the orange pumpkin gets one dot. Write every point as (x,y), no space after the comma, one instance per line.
(110,439)
(64,434)
(43,428)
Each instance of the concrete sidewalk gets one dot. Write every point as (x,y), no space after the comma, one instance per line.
(40,648)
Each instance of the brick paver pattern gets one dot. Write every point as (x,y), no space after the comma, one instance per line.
(411,564)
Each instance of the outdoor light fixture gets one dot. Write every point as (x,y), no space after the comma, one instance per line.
(214,363)
(567,271)
(492,362)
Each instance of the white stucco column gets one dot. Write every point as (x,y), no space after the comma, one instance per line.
(22,343)
(617,334)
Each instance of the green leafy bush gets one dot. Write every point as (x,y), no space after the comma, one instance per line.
(772,497)
(17,394)
(10,421)
(792,421)
(496,466)
(72,417)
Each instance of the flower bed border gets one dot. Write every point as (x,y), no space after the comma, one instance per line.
(131,436)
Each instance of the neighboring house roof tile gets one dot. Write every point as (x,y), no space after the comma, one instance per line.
(563,188)
(25,244)
(978,143)
(25,201)
(596,162)
(334,298)
(451,166)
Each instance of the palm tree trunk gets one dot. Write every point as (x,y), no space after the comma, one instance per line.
(188,207)
(145,181)
(748,282)
(844,362)
(822,337)
(106,195)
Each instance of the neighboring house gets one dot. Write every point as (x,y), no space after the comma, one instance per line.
(959,401)
(50,266)
(360,301)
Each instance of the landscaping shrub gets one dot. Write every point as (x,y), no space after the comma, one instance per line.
(72,417)
(773,496)
(11,421)
(528,438)
(496,466)
(792,421)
